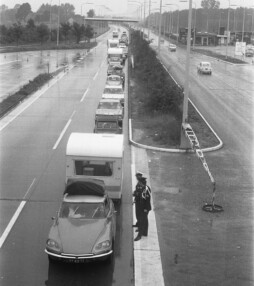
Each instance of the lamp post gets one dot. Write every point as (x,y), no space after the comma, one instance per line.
(159,38)
(187,68)
(194,26)
(243,24)
(228,29)
(177,27)
(219,23)
(50,22)
(140,7)
(58,24)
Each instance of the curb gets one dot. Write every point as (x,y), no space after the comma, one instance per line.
(175,150)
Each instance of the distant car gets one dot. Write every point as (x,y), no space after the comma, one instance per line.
(249,53)
(116,69)
(114,80)
(204,68)
(85,226)
(172,47)
(114,92)
(110,107)
(162,41)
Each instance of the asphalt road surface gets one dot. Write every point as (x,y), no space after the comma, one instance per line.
(33,179)
(200,248)
(16,69)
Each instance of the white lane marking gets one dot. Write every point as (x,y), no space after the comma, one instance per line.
(95,75)
(63,131)
(15,217)
(84,95)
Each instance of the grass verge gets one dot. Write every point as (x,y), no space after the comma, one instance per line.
(160,127)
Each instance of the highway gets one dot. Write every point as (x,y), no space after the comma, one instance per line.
(16,69)
(33,180)
(32,174)
(204,248)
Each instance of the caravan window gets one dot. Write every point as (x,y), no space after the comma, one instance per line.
(93,168)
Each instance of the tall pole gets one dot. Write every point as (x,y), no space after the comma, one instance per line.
(187,68)
(58,23)
(243,23)
(159,38)
(228,29)
(194,25)
(177,25)
(50,21)
(148,21)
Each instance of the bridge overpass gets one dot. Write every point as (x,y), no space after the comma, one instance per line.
(100,19)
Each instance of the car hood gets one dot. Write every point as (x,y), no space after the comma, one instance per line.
(79,236)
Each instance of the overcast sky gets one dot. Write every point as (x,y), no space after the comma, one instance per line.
(118,6)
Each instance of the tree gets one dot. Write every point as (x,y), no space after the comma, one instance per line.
(16,32)
(91,13)
(78,30)
(30,24)
(65,29)
(42,32)
(23,11)
(30,33)
(210,4)
(88,32)
(3,34)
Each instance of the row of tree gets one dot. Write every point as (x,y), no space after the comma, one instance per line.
(31,33)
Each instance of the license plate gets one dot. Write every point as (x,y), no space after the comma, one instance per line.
(76,260)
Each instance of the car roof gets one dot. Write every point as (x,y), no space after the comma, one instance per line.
(109,100)
(114,86)
(205,63)
(84,199)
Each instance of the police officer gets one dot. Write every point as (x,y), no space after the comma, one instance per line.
(136,195)
(144,208)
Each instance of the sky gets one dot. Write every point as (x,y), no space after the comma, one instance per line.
(119,6)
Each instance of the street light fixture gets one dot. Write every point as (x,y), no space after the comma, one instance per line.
(243,24)
(187,75)
(228,33)
(177,28)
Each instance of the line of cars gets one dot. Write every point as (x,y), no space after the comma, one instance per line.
(110,111)
(84,228)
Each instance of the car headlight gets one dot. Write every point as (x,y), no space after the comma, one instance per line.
(102,246)
(52,245)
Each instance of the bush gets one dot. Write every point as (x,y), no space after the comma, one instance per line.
(161,92)
(14,99)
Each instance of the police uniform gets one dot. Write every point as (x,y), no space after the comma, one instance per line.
(144,208)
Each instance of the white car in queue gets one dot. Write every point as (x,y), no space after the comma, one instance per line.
(114,80)
(85,226)
(114,92)
(204,68)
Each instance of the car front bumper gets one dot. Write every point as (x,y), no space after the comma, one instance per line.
(78,258)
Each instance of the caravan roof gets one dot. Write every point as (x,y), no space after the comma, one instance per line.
(95,145)
(116,51)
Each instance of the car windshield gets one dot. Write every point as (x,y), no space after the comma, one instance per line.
(112,91)
(107,125)
(82,210)
(116,79)
(109,105)
(206,65)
